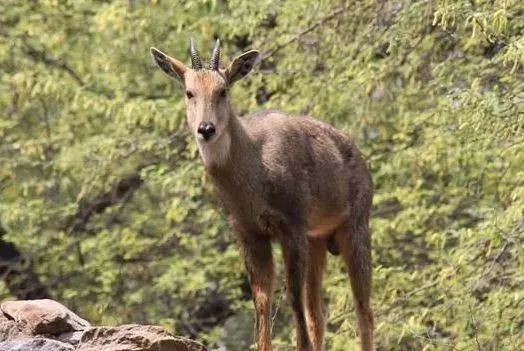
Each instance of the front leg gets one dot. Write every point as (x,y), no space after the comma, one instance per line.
(294,249)
(258,259)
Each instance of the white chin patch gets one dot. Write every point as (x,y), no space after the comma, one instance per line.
(200,137)
(214,151)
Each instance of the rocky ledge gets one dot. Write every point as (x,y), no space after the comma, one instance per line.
(46,325)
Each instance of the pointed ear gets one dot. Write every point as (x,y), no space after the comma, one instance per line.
(241,66)
(171,66)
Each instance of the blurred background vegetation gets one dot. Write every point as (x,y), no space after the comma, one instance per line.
(104,204)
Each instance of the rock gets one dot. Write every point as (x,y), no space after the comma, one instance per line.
(72,338)
(35,344)
(134,337)
(43,316)
(46,325)
(9,329)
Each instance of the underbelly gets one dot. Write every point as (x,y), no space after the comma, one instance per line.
(323,225)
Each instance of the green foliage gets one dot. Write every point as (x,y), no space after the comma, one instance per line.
(433,92)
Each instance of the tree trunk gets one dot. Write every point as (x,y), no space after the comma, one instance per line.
(17,272)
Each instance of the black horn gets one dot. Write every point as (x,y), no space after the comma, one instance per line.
(195,57)
(215,57)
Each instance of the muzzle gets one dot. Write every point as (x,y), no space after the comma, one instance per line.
(206,130)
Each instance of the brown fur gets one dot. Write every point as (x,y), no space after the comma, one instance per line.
(293,180)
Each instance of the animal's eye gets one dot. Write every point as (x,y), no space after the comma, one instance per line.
(222,93)
(189,94)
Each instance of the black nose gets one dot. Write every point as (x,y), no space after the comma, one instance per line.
(206,129)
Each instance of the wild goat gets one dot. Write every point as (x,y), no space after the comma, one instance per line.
(293,180)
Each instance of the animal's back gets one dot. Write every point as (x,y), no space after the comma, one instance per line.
(273,126)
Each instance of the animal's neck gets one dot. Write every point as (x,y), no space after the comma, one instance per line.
(235,178)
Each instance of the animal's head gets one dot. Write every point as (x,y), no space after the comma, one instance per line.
(206,88)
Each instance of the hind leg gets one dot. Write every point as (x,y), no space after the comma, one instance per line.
(353,241)
(313,295)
